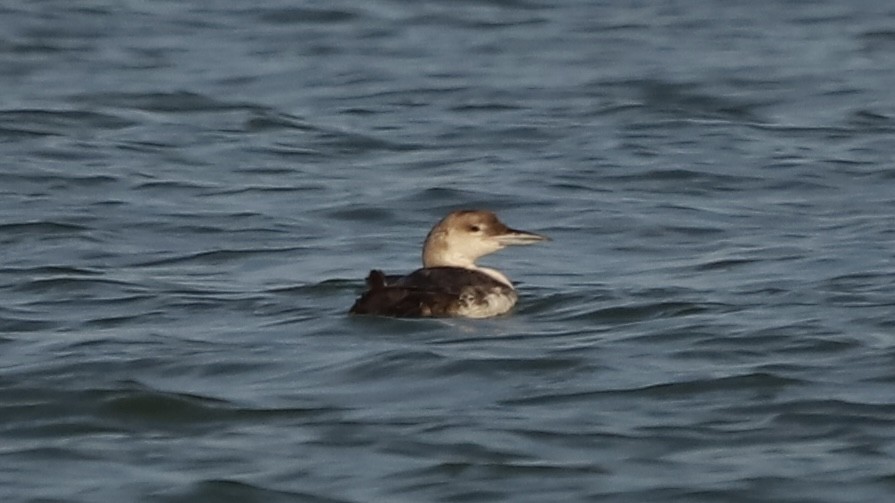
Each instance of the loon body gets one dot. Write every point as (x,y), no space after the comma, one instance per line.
(450,283)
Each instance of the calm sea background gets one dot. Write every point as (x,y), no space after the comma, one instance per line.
(191,194)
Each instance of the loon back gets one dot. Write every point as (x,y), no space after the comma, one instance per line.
(436,292)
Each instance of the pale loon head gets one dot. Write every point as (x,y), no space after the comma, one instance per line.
(460,238)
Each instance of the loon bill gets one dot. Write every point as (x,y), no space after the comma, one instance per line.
(450,283)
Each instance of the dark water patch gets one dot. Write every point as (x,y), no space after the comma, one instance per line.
(60,270)
(878,43)
(32,411)
(13,231)
(868,121)
(223,256)
(272,171)
(378,326)
(508,469)
(641,311)
(55,453)
(492,106)
(497,15)
(266,121)
(443,195)
(714,180)
(801,185)
(262,189)
(164,146)
(436,202)
(474,453)
(811,133)
(751,382)
(131,404)
(386,364)
(553,305)
(19,189)
(592,437)
(211,303)
(90,286)
(164,102)
(328,287)
(886,35)
(169,186)
(235,491)
(695,231)
(305,15)
(724,264)
(804,338)
(21,324)
(888,480)
(471,496)
(685,100)
(360,214)
(60,122)
(820,418)
(346,142)
(19,133)
(107,322)
(879,411)
(76,152)
(577,184)
(857,282)
(499,366)
(415,97)
(160,407)
(361,112)
(186,229)
(32,48)
(288,153)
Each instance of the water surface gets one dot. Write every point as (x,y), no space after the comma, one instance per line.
(192,193)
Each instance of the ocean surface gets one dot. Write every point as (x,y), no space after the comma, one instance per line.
(191,194)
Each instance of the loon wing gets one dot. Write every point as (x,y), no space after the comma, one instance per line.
(431,292)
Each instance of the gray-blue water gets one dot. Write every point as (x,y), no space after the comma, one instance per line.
(191,194)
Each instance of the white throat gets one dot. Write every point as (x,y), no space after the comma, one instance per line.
(434,257)
(499,276)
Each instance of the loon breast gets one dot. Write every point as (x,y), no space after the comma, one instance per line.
(436,292)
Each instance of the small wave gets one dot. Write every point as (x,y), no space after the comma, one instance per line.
(17,324)
(635,312)
(235,490)
(73,284)
(218,256)
(391,363)
(61,122)
(685,100)
(493,366)
(751,381)
(168,186)
(166,102)
(303,15)
(134,402)
(42,228)
(160,407)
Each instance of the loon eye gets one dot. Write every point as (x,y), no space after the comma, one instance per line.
(474,228)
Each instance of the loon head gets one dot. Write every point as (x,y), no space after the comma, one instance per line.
(460,238)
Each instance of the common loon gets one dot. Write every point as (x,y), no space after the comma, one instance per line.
(450,283)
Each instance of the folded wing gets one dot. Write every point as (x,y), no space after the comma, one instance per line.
(429,292)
